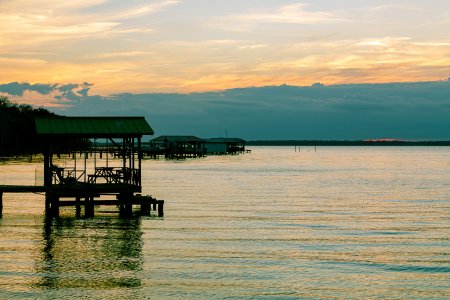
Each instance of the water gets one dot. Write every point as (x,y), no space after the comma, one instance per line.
(342,222)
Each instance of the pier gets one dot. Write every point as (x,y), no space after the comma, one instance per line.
(180,146)
(82,185)
(175,147)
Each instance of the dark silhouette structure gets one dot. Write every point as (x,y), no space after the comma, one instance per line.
(225,146)
(83,182)
(176,146)
(17,128)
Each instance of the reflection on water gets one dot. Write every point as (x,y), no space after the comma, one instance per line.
(100,253)
(342,222)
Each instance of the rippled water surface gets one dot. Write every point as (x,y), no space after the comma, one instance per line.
(342,222)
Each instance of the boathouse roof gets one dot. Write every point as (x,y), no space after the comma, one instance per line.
(178,139)
(92,127)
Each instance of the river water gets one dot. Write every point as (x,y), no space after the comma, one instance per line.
(339,222)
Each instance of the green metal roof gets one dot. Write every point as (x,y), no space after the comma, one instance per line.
(93,126)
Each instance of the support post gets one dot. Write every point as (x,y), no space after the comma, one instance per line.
(129,208)
(48,203)
(161,208)
(125,204)
(145,208)
(47,165)
(139,162)
(51,205)
(124,159)
(1,203)
(55,206)
(107,152)
(85,165)
(89,207)
(77,207)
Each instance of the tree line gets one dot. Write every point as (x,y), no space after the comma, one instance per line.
(18,130)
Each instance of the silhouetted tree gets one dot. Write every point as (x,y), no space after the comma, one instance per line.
(17,128)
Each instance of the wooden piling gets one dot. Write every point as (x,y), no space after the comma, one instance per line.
(89,207)
(47,203)
(129,204)
(145,208)
(161,208)
(55,206)
(51,205)
(77,207)
(125,204)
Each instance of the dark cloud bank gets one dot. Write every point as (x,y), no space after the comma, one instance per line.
(418,110)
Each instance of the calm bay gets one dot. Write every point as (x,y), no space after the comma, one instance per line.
(279,222)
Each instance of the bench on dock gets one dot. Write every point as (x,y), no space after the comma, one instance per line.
(110,174)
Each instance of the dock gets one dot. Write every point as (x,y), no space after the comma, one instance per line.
(85,196)
(180,147)
(81,184)
(175,147)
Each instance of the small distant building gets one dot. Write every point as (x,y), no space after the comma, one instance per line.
(177,146)
(225,146)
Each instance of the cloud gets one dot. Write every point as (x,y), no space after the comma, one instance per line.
(55,93)
(256,46)
(390,7)
(124,54)
(414,110)
(295,13)
(145,9)
(24,23)
(18,89)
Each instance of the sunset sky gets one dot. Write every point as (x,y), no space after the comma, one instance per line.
(114,47)
(198,45)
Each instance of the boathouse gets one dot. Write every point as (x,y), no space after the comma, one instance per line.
(224,146)
(178,146)
(106,163)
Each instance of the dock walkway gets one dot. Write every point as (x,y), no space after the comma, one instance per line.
(84,195)
(22,189)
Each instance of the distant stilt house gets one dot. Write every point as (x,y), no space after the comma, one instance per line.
(225,146)
(92,171)
(176,146)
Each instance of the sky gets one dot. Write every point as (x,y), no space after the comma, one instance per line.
(67,55)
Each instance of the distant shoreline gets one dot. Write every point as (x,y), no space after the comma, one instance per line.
(344,143)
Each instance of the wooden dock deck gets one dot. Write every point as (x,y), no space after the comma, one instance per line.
(22,189)
(85,194)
